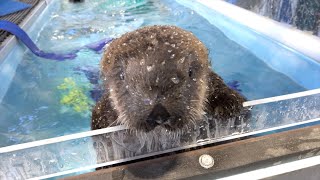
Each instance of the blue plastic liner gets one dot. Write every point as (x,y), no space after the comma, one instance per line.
(9,6)
(22,36)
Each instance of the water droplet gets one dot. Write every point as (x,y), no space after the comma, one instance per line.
(182,60)
(142,62)
(170,50)
(121,76)
(173,45)
(150,68)
(172,56)
(175,80)
(148,101)
(127,87)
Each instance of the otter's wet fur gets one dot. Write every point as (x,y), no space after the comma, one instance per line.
(160,77)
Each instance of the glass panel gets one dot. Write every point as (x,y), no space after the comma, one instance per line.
(88,153)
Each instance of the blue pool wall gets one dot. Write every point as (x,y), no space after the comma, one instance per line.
(297,66)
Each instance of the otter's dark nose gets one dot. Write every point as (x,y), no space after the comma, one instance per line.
(158,115)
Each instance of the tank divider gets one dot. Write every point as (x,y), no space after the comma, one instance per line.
(119,128)
(281,98)
(60,139)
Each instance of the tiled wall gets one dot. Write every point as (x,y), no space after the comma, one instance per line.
(302,14)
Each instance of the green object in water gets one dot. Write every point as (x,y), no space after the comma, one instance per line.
(75,96)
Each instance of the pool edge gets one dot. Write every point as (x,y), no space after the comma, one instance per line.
(263,37)
(7,67)
(280,32)
(12,41)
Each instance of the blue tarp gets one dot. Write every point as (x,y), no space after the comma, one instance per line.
(9,6)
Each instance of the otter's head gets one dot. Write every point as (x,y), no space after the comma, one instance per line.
(156,77)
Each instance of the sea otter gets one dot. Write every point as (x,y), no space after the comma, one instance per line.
(160,77)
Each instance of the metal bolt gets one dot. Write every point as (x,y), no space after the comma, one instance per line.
(206,161)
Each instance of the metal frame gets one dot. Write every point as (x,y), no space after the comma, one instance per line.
(281,150)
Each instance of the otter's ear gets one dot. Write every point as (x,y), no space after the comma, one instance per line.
(223,102)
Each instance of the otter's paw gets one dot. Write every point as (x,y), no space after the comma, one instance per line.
(226,105)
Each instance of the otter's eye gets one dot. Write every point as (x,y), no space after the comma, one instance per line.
(121,76)
(190,72)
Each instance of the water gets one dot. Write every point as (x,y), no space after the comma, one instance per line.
(43,97)
(32,108)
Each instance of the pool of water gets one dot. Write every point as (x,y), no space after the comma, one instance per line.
(35,104)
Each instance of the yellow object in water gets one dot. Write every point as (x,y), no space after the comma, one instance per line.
(75,96)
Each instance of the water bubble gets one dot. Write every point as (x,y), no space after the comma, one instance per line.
(175,80)
(172,56)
